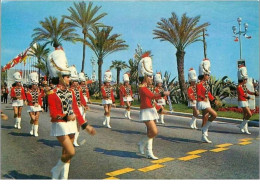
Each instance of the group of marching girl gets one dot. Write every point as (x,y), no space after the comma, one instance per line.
(68,103)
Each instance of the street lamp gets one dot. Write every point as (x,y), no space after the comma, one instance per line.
(234,28)
(93,77)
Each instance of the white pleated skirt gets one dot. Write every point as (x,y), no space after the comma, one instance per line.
(63,128)
(17,103)
(161,102)
(106,101)
(148,114)
(192,103)
(242,104)
(128,98)
(86,98)
(201,105)
(34,109)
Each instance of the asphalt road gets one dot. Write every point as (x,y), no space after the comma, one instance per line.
(112,153)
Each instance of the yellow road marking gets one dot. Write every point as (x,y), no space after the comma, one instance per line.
(246,139)
(190,157)
(111,178)
(121,171)
(197,151)
(150,168)
(219,149)
(224,145)
(162,160)
(245,143)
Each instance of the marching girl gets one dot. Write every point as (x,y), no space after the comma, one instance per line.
(108,97)
(81,103)
(64,112)
(84,87)
(148,113)
(126,95)
(18,96)
(243,98)
(161,102)
(34,102)
(192,96)
(203,98)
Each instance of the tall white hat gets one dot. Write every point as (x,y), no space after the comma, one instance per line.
(192,75)
(108,76)
(242,73)
(145,66)
(33,78)
(204,67)
(82,77)
(158,78)
(73,73)
(17,76)
(58,64)
(126,77)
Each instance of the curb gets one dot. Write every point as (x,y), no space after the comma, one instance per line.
(221,119)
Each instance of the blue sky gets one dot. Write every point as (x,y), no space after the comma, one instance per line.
(136,21)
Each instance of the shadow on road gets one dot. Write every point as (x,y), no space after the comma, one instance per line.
(50,143)
(177,140)
(118,153)
(7,127)
(128,131)
(16,175)
(20,134)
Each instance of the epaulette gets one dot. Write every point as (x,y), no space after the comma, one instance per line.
(50,92)
(141,85)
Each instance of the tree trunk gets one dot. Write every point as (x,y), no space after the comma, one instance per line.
(100,73)
(39,70)
(180,68)
(83,60)
(117,76)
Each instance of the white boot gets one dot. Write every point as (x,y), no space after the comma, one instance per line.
(142,144)
(31,131)
(56,170)
(162,118)
(65,171)
(192,122)
(105,121)
(75,143)
(195,124)
(242,126)
(149,151)
(246,127)
(35,130)
(205,139)
(16,123)
(128,114)
(108,122)
(206,128)
(19,123)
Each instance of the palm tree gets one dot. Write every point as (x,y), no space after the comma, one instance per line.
(40,52)
(54,32)
(118,65)
(103,44)
(84,18)
(180,33)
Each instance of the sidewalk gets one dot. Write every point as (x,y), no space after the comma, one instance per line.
(221,119)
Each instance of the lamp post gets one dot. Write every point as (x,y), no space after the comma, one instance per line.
(93,76)
(234,28)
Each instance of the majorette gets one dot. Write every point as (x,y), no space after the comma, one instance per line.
(18,96)
(161,102)
(243,98)
(148,113)
(126,95)
(203,97)
(64,112)
(34,102)
(84,86)
(108,97)
(81,102)
(192,96)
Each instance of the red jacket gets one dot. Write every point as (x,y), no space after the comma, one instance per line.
(241,94)
(191,93)
(80,98)
(159,91)
(56,107)
(107,93)
(31,100)
(203,93)
(14,92)
(85,91)
(146,97)
(123,93)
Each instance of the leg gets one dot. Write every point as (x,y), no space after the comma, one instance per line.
(36,123)
(128,104)
(248,115)
(206,112)
(15,116)
(152,131)
(19,117)
(32,116)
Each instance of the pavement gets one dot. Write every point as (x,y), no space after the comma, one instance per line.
(112,153)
